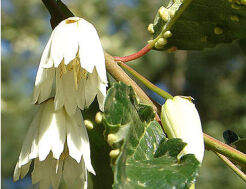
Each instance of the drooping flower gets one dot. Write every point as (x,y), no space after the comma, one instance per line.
(59,145)
(181,120)
(75,57)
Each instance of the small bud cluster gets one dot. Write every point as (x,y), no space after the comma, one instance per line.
(165,14)
(113,139)
(163,40)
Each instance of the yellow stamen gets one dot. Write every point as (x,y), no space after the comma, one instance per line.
(62,68)
(76,68)
(84,74)
(78,72)
(64,154)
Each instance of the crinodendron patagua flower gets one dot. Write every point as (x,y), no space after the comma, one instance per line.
(74,56)
(59,145)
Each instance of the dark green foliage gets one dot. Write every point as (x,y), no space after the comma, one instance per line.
(205,23)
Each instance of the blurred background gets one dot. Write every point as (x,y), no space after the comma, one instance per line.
(215,78)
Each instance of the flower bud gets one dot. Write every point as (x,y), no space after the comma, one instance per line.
(180,119)
(151,28)
(88,124)
(98,117)
(112,138)
(167,34)
(114,153)
(164,14)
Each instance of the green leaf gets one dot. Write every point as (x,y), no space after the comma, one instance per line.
(146,159)
(202,23)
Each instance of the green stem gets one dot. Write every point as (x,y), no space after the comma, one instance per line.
(146,82)
(232,166)
(224,149)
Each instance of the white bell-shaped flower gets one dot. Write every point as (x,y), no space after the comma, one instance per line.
(180,119)
(59,145)
(75,57)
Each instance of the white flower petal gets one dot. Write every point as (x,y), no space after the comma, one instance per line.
(29,142)
(43,84)
(78,141)
(45,61)
(25,169)
(100,99)
(59,97)
(74,136)
(64,42)
(80,96)
(85,143)
(70,38)
(34,149)
(44,184)
(91,88)
(86,49)
(45,172)
(56,49)
(101,95)
(51,132)
(87,153)
(17,172)
(75,172)
(90,48)
(56,173)
(66,93)
(102,88)
(37,172)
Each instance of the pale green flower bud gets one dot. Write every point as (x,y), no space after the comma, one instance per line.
(167,34)
(98,117)
(88,124)
(114,153)
(164,14)
(151,28)
(180,119)
(112,138)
